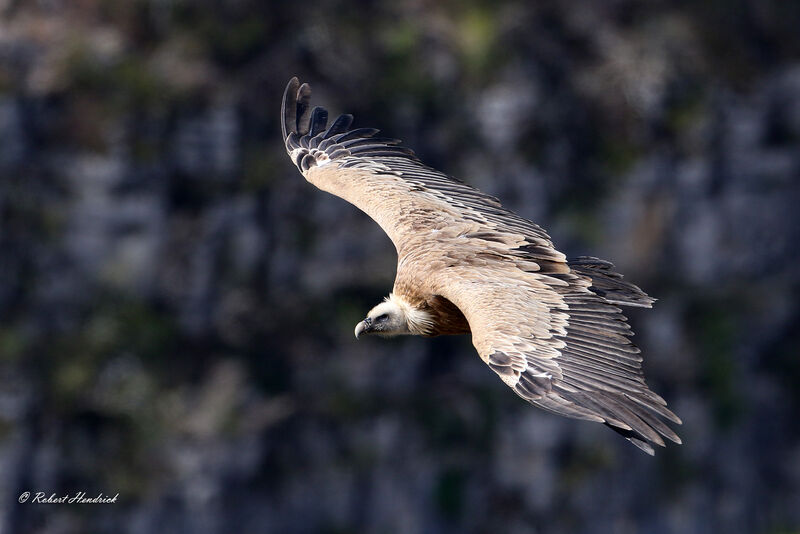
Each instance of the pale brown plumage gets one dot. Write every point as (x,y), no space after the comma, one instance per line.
(549,327)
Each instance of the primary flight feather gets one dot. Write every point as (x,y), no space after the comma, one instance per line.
(550,327)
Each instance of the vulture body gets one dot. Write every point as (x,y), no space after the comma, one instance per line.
(551,328)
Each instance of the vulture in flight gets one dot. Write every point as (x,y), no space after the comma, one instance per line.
(550,327)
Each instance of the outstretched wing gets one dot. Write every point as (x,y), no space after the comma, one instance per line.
(391,185)
(551,329)
(563,347)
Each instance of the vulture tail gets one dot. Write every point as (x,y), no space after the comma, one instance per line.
(608,283)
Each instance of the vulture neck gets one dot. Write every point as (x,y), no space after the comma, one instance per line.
(431,315)
(419,321)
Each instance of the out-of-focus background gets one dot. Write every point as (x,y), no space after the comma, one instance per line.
(177,303)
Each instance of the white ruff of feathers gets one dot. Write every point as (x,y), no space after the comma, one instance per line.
(419,321)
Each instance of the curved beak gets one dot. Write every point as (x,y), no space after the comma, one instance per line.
(362,327)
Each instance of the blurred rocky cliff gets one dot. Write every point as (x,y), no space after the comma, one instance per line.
(177,304)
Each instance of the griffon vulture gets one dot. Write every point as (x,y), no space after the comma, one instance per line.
(551,328)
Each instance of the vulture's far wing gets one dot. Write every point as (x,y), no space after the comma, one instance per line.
(551,329)
(391,185)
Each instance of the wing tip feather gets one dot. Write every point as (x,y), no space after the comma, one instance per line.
(303,109)
(289,107)
(307,128)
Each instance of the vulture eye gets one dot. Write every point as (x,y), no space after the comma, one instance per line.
(381,318)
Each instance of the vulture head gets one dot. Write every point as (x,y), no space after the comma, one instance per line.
(386,319)
(394,317)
